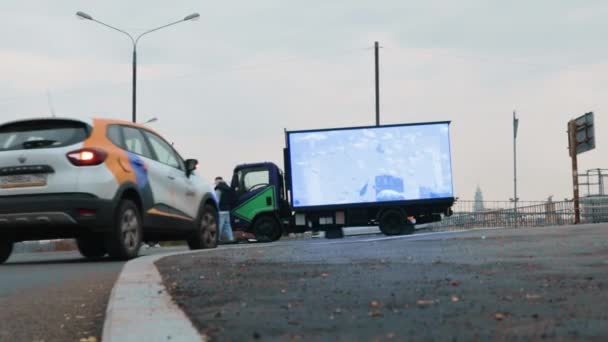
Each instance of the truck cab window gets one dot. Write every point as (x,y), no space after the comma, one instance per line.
(255,179)
(247,180)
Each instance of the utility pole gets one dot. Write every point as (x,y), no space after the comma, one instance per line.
(515,199)
(376,48)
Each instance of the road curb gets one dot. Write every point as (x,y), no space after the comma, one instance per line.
(141,309)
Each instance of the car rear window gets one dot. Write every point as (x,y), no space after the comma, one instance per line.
(25,135)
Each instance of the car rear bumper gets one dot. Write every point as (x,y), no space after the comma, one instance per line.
(35,217)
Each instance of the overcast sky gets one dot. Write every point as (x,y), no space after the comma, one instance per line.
(225,87)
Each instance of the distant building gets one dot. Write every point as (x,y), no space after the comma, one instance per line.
(478,204)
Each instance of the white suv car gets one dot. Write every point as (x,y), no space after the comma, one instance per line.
(109,184)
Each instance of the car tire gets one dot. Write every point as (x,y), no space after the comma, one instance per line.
(125,238)
(206,234)
(6,249)
(392,222)
(267,228)
(91,246)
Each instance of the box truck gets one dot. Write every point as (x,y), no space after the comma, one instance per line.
(390,176)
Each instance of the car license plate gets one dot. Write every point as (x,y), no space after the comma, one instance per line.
(22,181)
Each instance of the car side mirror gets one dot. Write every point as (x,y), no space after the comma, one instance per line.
(191,165)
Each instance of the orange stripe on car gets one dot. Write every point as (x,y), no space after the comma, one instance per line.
(119,166)
(162,213)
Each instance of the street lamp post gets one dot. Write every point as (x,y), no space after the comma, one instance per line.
(82,15)
(515,199)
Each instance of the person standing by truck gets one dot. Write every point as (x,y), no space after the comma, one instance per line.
(226,198)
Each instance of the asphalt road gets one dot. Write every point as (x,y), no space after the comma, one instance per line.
(56,296)
(529,284)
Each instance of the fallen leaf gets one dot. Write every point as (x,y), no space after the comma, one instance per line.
(89,339)
(499,316)
(375,304)
(424,302)
(455,283)
(375,314)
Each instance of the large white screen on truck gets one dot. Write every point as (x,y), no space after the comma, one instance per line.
(366,165)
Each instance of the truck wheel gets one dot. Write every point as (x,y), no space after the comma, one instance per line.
(334,233)
(392,222)
(6,249)
(267,228)
(124,241)
(91,246)
(206,234)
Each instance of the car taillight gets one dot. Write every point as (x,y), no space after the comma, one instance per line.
(87,156)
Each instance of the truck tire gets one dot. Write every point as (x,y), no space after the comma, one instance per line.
(334,233)
(267,229)
(207,230)
(6,249)
(124,240)
(91,246)
(393,222)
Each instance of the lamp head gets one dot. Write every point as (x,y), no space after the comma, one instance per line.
(193,16)
(84,16)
